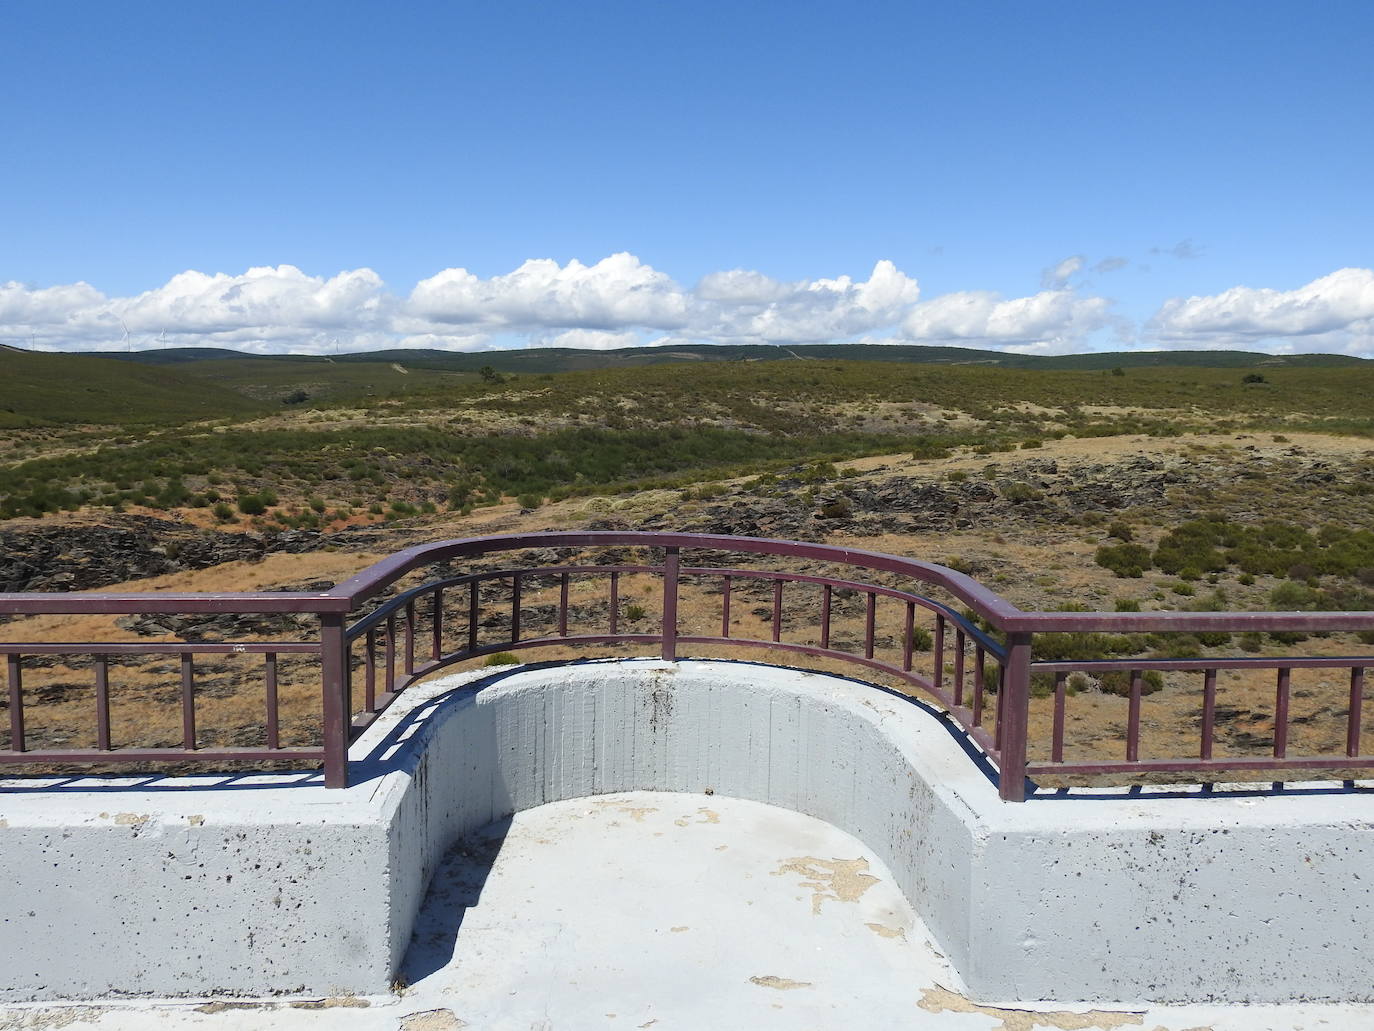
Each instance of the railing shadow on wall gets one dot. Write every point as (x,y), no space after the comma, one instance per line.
(969,650)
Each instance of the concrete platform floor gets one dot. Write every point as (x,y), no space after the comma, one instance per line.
(668,912)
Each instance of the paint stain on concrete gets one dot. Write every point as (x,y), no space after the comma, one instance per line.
(707,816)
(942,1000)
(636,813)
(52,1019)
(348,1002)
(196,821)
(883,931)
(431,1020)
(782,984)
(678,930)
(131,819)
(837,880)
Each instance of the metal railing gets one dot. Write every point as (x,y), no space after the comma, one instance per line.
(979,665)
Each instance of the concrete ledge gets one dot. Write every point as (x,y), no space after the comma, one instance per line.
(259,885)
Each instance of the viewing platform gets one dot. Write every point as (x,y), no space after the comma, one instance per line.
(813,813)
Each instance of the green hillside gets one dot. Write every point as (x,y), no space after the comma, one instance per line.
(41,389)
(563,359)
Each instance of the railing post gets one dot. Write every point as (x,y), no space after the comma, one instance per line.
(1015,718)
(670,567)
(338,707)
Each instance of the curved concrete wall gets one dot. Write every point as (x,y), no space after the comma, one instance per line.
(191,890)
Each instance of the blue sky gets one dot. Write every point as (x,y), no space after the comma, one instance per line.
(1041,177)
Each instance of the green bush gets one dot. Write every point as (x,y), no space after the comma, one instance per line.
(1125,560)
(252,504)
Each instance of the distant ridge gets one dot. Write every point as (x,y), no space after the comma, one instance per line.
(565,359)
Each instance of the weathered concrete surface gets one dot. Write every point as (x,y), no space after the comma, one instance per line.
(651,910)
(185,890)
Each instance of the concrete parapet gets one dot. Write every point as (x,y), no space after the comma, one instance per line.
(260,884)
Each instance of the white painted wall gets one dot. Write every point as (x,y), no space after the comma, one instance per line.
(255,888)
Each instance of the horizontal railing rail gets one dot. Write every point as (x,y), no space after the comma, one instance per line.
(976,663)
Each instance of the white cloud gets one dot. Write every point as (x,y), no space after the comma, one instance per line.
(1052,320)
(1054,277)
(615,292)
(1335,312)
(748,307)
(620,301)
(264,309)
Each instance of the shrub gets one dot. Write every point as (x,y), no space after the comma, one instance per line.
(501,659)
(1125,560)
(840,508)
(529,501)
(1019,492)
(1127,605)
(634,612)
(252,504)
(222,512)
(1118,682)
(1121,531)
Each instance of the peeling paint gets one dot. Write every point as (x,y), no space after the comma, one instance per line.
(839,880)
(942,1000)
(782,984)
(883,931)
(432,1020)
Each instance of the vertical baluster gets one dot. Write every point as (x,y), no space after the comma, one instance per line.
(671,587)
(1209,712)
(960,647)
(1281,713)
(188,702)
(1057,741)
(1352,729)
(517,586)
(777,610)
(273,711)
(370,669)
(563,605)
(410,637)
(390,672)
(102,702)
(1001,706)
(14,670)
(436,643)
(725,607)
(1133,717)
(908,635)
(979,673)
(615,603)
(938,679)
(869,614)
(474,610)
(825,615)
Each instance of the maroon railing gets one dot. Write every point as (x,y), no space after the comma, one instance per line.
(406,637)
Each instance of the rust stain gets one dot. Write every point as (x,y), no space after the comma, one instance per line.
(942,1000)
(838,880)
(782,984)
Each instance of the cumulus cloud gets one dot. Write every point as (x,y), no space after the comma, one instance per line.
(1052,320)
(621,301)
(1335,312)
(749,307)
(266,309)
(1054,277)
(615,292)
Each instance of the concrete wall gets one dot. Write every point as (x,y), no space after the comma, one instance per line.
(248,887)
